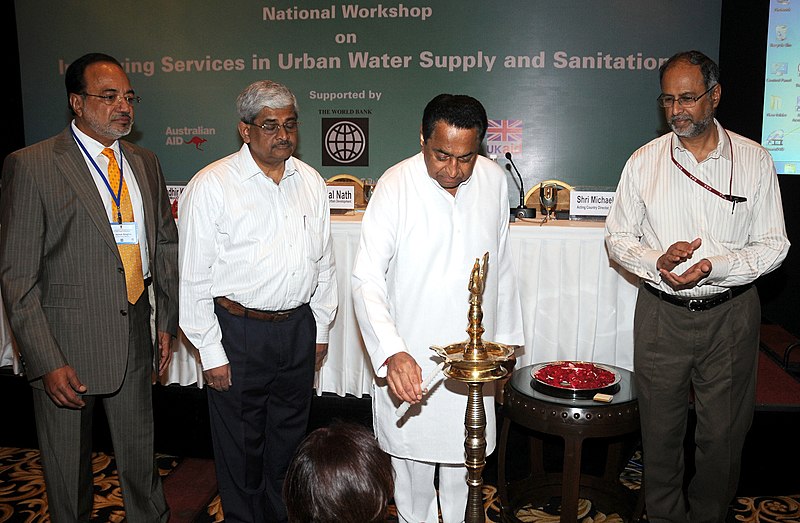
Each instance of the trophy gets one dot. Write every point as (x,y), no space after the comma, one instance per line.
(369,186)
(548,197)
(475,362)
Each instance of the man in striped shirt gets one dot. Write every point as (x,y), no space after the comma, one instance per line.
(258,293)
(698,218)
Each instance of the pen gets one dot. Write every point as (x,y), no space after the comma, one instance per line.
(735,200)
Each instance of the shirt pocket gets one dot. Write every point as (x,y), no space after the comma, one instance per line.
(731,223)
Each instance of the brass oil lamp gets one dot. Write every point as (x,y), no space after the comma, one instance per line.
(475,362)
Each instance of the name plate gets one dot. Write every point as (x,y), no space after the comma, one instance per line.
(342,196)
(590,203)
(174,192)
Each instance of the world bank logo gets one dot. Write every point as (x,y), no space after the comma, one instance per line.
(345,141)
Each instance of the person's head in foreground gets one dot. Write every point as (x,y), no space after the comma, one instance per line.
(339,475)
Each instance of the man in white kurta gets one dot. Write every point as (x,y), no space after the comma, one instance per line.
(429,219)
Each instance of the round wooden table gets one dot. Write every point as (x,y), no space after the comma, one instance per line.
(572,420)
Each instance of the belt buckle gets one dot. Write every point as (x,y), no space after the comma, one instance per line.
(695,305)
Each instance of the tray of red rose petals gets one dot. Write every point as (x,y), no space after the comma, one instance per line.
(574,379)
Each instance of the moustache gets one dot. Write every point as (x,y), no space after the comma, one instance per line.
(284,143)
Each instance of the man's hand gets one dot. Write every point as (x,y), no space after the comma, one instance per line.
(219,378)
(404,377)
(677,253)
(164,351)
(690,278)
(322,351)
(64,387)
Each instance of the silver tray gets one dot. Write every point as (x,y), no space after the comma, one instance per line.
(563,391)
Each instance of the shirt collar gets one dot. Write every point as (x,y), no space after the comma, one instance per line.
(93,147)
(723,148)
(249,167)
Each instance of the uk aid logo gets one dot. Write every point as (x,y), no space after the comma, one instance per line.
(504,136)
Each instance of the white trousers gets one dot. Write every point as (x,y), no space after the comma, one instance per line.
(415,493)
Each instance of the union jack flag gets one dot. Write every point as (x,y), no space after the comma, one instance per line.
(505,131)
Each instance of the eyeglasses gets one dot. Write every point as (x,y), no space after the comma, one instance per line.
(272,127)
(113,99)
(666,101)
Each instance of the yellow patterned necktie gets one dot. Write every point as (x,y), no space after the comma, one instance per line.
(130,254)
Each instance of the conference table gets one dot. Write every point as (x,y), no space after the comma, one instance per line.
(576,305)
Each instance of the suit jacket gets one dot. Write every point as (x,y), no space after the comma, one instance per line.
(62,278)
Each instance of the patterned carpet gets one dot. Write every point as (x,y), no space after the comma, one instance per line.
(23,499)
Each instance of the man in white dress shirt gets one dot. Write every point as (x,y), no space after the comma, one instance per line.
(698,217)
(258,292)
(430,217)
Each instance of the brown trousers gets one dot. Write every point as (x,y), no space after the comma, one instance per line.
(712,354)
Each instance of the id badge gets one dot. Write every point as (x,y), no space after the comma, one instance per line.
(125,233)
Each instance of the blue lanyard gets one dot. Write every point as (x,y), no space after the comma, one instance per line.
(116,197)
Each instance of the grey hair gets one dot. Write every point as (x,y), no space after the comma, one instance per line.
(263,93)
(708,68)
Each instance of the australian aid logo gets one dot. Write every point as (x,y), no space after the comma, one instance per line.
(504,136)
(193,137)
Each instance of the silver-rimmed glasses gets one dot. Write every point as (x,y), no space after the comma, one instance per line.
(272,127)
(113,99)
(667,100)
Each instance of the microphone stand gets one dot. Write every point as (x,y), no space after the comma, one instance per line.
(522,211)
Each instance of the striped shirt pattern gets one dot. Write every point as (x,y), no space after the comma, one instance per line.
(656,205)
(264,245)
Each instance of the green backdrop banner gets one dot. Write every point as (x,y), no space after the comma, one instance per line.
(569,86)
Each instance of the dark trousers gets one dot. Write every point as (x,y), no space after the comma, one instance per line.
(258,423)
(65,438)
(714,354)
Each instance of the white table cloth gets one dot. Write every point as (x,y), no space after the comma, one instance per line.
(7,355)
(576,305)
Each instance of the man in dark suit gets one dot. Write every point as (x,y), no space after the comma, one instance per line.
(87,242)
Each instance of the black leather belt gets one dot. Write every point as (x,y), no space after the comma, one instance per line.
(698,304)
(237,309)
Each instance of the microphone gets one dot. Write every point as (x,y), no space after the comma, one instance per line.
(522,211)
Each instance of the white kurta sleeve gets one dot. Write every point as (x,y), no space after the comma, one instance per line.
(370,272)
